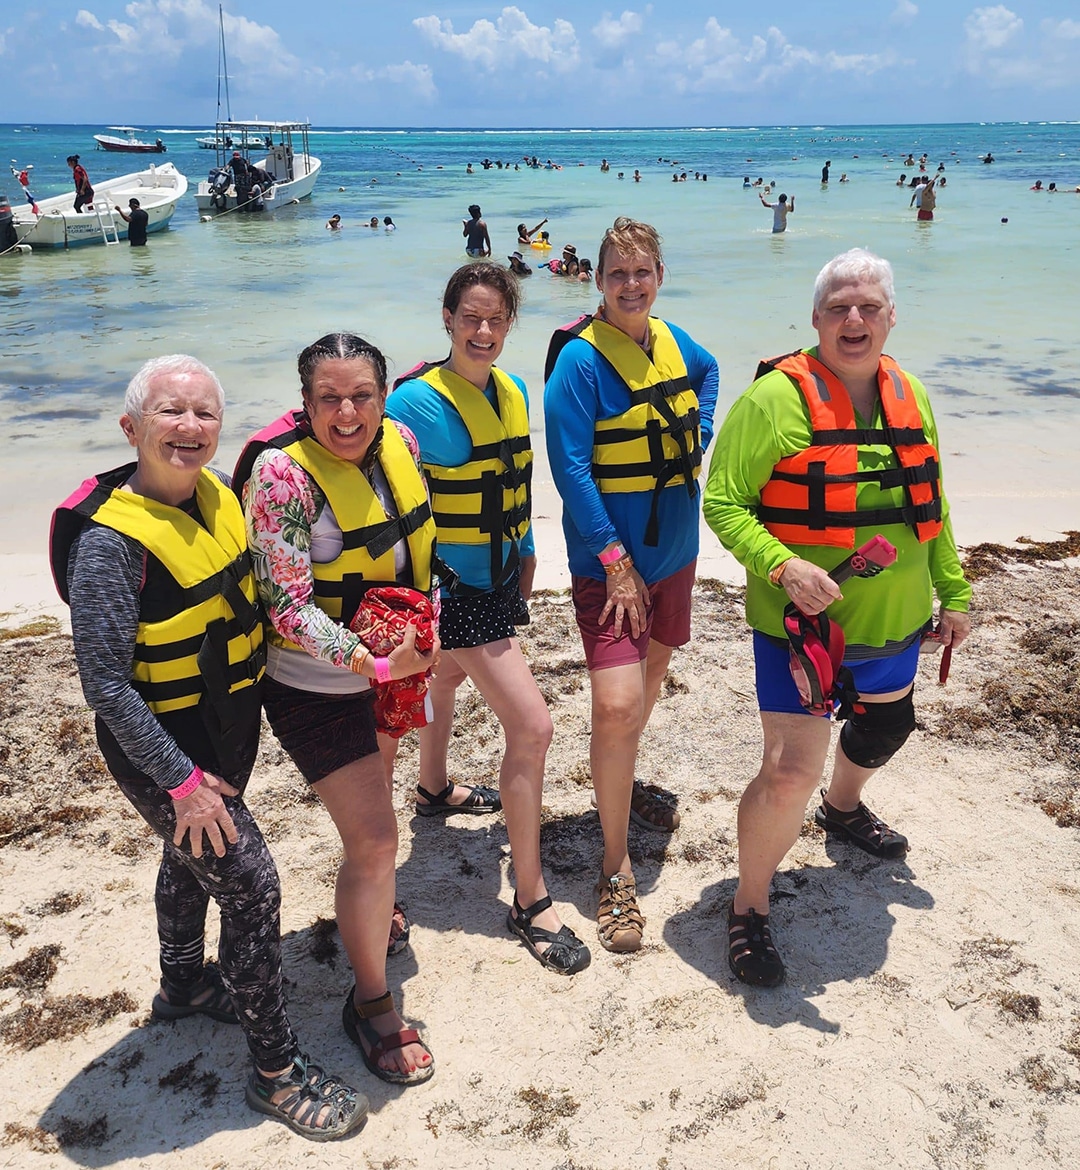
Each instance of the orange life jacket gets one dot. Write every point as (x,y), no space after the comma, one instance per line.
(811,496)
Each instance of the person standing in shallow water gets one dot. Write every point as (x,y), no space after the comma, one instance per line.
(628,407)
(137,222)
(790,515)
(925,200)
(475,231)
(781,209)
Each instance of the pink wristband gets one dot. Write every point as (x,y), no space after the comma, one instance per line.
(382,670)
(189,785)
(615,553)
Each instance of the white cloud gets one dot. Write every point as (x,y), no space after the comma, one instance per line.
(904,12)
(1043,60)
(510,38)
(612,33)
(418,79)
(719,60)
(166,29)
(1066,30)
(991,28)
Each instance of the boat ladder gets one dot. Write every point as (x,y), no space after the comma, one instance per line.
(107,222)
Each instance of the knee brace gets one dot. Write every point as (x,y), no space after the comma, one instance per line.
(875,732)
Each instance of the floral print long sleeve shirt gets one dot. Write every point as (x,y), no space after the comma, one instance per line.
(290,526)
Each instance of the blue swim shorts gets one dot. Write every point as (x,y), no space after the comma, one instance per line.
(776,690)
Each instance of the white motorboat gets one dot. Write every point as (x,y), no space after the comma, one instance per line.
(128,144)
(277,149)
(158,190)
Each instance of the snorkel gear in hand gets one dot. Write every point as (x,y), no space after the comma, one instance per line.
(817,644)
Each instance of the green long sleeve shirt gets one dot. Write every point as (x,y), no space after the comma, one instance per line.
(769,421)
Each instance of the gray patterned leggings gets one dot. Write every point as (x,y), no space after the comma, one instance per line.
(245,885)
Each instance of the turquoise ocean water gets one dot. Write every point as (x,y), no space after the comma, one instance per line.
(987,311)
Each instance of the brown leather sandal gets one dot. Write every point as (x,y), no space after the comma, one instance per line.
(357,1018)
(653,807)
(619,921)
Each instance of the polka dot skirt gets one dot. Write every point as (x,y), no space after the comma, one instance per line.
(465,622)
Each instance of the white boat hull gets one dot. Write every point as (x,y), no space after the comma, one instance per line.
(158,189)
(128,145)
(283,192)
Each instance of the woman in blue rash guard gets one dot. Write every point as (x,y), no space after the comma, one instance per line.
(472,423)
(628,409)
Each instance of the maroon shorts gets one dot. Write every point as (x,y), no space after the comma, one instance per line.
(924,214)
(667,619)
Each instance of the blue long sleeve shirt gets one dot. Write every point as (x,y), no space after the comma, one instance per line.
(583,389)
(444,440)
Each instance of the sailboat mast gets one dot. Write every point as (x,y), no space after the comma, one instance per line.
(219,74)
(225,69)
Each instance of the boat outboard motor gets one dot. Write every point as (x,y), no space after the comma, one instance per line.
(8,236)
(219,180)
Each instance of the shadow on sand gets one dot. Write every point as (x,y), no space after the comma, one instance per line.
(830,924)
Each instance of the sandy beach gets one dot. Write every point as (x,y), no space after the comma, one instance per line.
(931,1016)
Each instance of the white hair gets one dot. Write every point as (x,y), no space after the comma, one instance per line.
(857,264)
(173,363)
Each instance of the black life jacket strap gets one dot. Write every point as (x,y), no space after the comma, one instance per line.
(659,391)
(351,589)
(869,437)
(769,364)
(887,478)
(237,672)
(217,707)
(678,427)
(818,520)
(378,539)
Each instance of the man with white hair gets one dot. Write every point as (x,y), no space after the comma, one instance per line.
(829,447)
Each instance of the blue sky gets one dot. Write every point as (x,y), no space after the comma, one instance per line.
(538,63)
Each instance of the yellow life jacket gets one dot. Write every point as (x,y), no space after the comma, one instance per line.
(200,634)
(369,535)
(488,498)
(656,442)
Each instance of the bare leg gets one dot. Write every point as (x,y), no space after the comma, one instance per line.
(435,737)
(503,677)
(656,668)
(358,798)
(772,807)
(618,714)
